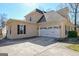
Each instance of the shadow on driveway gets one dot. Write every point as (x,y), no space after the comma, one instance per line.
(43,41)
(70,40)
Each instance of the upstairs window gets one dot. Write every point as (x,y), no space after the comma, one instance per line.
(30,19)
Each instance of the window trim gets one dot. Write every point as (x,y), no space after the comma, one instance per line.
(21,30)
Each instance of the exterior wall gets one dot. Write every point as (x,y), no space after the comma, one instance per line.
(34,16)
(78,31)
(67,26)
(61,24)
(59,18)
(55,19)
(31,29)
(52,24)
(64,12)
(53,16)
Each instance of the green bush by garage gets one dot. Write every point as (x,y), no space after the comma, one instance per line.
(72,34)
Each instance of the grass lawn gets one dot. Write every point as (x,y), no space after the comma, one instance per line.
(74,47)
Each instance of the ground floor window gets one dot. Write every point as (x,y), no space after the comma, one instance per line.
(21,29)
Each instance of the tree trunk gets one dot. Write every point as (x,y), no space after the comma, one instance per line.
(75,18)
(75,21)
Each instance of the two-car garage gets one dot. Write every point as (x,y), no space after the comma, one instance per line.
(50,32)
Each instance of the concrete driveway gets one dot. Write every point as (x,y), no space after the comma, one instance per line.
(39,46)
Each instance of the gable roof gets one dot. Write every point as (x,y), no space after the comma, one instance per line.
(38,10)
(35,15)
(42,19)
(14,20)
(53,16)
(64,12)
(56,15)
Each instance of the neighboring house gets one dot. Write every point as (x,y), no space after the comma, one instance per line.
(0,33)
(40,23)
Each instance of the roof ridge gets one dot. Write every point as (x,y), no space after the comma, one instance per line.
(40,11)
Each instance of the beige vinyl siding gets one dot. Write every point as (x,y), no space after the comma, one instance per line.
(52,24)
(34,16)
(78,31)
(31,30)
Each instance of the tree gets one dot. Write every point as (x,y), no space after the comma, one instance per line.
(73,11)
(2,20)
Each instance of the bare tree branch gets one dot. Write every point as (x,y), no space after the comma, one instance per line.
(2,20)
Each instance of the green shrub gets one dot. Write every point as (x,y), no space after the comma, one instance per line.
(72,34)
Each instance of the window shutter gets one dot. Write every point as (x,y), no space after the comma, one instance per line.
(24,29)
(18,29)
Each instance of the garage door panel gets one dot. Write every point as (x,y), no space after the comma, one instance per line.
(54,32)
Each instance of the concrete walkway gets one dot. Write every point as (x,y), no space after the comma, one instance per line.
(39,46)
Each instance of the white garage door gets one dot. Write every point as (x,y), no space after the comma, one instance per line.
(50,32)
